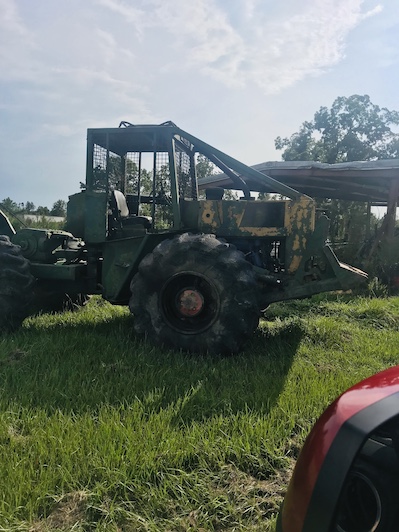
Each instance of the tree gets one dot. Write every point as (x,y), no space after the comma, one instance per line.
(10,206)
(132,179)
(59,208)
(204,166)
(42,211)
(29,207)
(354,129)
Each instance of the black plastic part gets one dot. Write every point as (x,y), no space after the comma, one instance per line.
(339,459)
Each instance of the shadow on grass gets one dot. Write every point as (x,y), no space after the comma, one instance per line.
(305,307)
(75,366)
(251,381)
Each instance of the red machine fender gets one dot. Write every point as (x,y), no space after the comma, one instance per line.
(330,449)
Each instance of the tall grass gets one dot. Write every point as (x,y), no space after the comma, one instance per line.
(100,430)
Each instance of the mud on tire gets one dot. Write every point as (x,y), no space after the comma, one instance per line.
(16,285)
(195,293)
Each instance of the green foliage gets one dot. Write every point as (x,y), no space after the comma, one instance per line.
(9,206)
(348,221)
(15,211)
(43,223)
(377,288)
(354,129)
(114,171)
(204,166)
(132,179)
(102,431)
(384,264)
(59,208)
(29,207)
(43,211)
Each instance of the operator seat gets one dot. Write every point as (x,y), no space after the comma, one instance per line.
(120,212)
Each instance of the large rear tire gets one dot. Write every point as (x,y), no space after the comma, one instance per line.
(195,293)
(16,285)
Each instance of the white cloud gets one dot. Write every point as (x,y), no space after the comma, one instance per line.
(137,17)
(374,11)
(250,8)
(65,73)
(201,32)
(10,21)
(109,48)
(16,43)
(271,52)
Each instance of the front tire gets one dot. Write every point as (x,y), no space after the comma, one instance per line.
(195,293)
(16,285)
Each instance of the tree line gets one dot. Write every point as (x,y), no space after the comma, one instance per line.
(13,208)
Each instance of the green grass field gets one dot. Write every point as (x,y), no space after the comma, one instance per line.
(102,431)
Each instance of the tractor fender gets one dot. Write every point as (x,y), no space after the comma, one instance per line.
(330,449)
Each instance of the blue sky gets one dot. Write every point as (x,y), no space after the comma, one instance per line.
(235,73)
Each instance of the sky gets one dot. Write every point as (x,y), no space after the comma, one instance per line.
(235,73)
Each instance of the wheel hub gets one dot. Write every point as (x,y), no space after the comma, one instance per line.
(189,302)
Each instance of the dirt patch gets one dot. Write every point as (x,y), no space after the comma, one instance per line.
(69,512)
(14,357)
(253,502)
(251,494)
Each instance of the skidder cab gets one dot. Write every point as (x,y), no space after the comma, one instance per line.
(196,263)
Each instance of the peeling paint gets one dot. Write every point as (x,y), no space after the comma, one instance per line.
(296,245)
(263,231)
(209,215)
(295,263)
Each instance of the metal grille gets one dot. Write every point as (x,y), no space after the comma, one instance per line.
(162,175)
(145,180)
(162,211)
(107,165)
(99,157)
(116,171)
(184,173)
(133,174)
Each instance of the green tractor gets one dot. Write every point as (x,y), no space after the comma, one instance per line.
(195,269)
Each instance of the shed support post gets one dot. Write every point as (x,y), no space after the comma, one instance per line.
(391,207)
(368,221)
